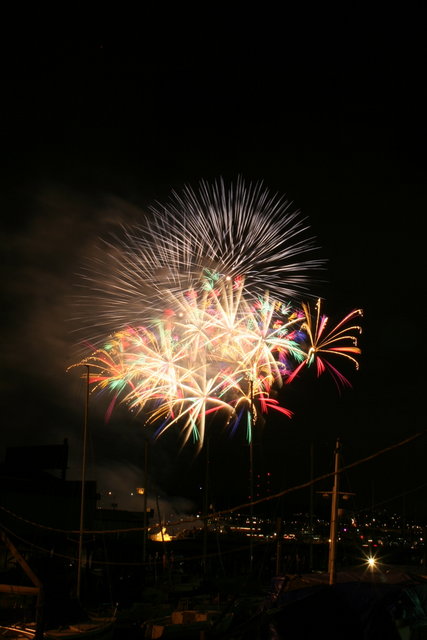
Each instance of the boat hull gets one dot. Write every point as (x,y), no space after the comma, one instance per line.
(102,628)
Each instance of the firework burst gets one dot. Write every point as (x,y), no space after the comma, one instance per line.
(321,343)
(202,304)
(196,240)
(211,352)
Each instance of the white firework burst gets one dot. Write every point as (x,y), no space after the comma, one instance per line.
(196,239)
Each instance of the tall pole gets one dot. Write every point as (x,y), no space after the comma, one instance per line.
(311,504)
(83,480)
(206,509)
(165,561)
(279,534)
(334,517)
(251,480)
(144,547)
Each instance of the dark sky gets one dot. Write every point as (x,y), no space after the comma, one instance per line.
(99,123)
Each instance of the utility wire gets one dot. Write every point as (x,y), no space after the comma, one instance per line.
(235,508)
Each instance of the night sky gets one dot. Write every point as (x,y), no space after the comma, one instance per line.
(99,125)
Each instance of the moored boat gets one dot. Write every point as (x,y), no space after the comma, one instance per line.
(91,628)
(17,632)
(189,623)
(101,628)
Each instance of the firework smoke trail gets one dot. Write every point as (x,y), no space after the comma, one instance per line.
(240,232)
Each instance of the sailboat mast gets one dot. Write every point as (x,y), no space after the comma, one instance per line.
(83,481)
(334,515)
